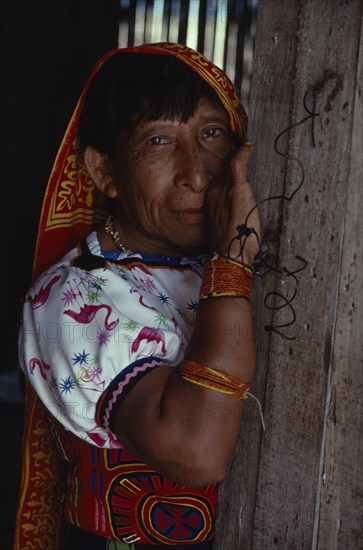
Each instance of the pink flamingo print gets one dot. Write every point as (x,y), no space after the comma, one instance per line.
(42,296)
(96,438)
(150,335)
(141,299)
(100,441)
(34,362)
(141,268)
(87,314)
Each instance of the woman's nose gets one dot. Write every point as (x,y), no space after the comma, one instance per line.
(191,170)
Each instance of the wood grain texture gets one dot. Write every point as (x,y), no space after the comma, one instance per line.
(270,110)
(278,492)
(341,491)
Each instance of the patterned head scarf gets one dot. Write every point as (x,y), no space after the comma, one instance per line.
(70,206)
(68,214)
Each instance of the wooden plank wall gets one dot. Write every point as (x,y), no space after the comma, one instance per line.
(220,29)
(299,484)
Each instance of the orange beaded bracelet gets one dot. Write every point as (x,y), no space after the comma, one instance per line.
(225,277)
(214,379)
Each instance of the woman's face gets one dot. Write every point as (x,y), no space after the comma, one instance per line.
(163,173)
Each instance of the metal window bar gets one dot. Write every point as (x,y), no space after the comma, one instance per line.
(223,30)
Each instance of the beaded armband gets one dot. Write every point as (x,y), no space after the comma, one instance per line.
(214,380)
(225,277)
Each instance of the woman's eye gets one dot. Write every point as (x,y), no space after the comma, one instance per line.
(212,132)
(158,140)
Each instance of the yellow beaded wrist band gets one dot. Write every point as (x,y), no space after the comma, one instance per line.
(225,277)
(214,380)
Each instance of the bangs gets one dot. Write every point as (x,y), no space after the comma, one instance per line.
(175,95)
(130,88)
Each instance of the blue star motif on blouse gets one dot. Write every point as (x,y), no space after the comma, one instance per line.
(96,286)
(67,385)
(80,358)
(164,299)
(193,305)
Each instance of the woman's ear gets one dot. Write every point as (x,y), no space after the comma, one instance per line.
(100,169)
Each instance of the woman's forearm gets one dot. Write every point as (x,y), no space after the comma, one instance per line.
(184,430)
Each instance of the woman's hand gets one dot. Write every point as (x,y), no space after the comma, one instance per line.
(228,206)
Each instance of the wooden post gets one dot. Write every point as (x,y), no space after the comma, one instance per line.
(298,485)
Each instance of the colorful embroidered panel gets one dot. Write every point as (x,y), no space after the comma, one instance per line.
(113,494)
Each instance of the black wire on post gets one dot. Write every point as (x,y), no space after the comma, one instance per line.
(261,266)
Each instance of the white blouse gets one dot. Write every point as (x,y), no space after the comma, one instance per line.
(88,335)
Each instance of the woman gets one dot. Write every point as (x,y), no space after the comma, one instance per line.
(137,341)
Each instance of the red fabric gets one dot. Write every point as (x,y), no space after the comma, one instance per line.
(113,494)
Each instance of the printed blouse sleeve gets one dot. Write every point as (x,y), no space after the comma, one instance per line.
(87,338)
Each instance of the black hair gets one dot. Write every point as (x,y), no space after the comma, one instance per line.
(130,87)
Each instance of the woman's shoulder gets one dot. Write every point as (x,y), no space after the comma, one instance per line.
(87,263)
(68,262)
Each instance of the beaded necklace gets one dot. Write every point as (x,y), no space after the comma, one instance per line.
(114,234)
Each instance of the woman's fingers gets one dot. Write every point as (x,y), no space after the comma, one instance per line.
(229,206)
(239,164)
(243,205)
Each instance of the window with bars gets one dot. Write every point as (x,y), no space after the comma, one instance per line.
(223,30)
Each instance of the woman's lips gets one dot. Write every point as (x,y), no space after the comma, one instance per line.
(191,215)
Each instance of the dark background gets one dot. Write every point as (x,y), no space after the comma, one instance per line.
(48,49)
